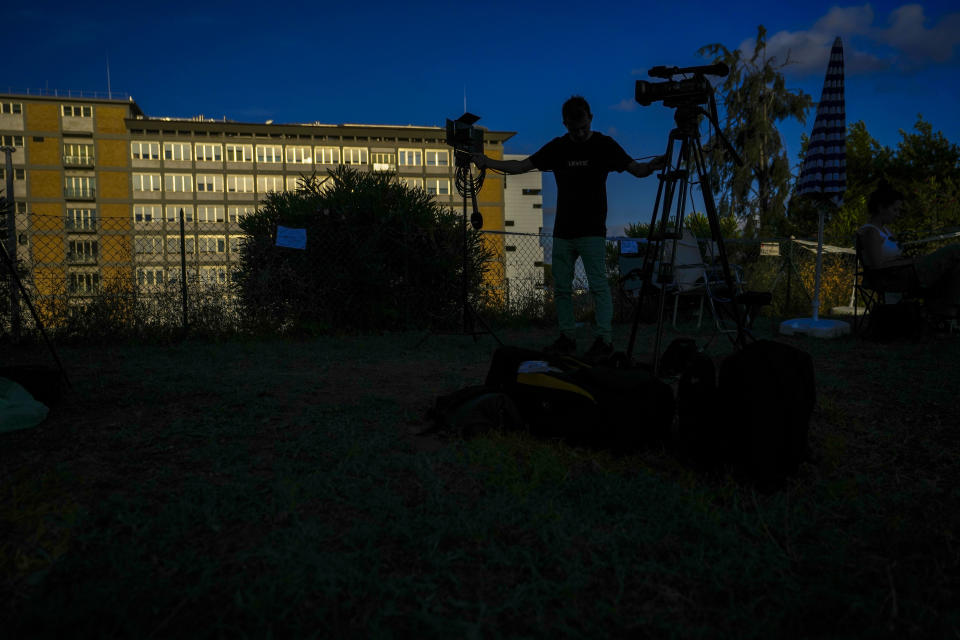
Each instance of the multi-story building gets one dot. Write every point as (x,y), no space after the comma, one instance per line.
(99,186)
(523,221)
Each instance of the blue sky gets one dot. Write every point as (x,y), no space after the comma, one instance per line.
(383,63)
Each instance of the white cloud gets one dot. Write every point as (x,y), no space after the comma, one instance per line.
(906,42)
(908,33)
(625,105)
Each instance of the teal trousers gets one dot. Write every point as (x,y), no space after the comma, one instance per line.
(592,252)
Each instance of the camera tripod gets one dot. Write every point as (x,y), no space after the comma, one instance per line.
(674,186)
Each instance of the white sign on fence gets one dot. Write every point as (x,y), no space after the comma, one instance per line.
(770,248)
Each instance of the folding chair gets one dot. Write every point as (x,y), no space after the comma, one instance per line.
(869,286)
(687,273)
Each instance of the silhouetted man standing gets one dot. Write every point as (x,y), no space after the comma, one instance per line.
(580,161)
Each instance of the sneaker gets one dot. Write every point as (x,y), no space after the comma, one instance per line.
(563,346)
(599,350)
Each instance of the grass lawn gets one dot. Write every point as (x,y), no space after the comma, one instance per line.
(274,488)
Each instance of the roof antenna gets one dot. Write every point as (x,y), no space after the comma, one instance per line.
(109,92)
(464,98)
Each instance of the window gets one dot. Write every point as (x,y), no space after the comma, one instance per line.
(213,275)
(437,157)
(83,282)
(532,192)
(269,183)
(509,223)
(145,150)
(327,155)
(235,213)
(269,153)
(148,245)
(173,212)
(409,157)
(234,242)
(77,154)
(176,151)
(11,141)
(207,152)
(354,155)
(146,213)
(150,276)
(413,183)
(538,205)
(146,182)
(82,251)
(178,182)
(381,158)
(18,174)
(206,213)
(79,187)
(21,207)
(239,153)
(77,110)
(81,219)
(210,182)
(11,107)
(294,183)
(173,244)
(299,155)
(212,244)
(240,184)
(438,186)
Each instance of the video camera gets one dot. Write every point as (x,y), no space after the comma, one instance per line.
(678,93)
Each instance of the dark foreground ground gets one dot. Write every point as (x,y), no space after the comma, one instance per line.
(276,488)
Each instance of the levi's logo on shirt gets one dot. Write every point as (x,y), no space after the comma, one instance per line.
(578,163)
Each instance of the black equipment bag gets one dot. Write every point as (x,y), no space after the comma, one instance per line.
(594,406)
(473,410)
(701,433)
(768,394)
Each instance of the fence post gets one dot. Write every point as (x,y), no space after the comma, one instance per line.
(12,246)
(789,274)
(183,269)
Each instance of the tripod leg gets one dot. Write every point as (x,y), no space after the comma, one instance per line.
(653,246)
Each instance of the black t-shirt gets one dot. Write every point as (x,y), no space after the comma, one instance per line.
(580,169)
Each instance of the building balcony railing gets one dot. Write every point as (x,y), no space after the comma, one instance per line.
(78,161)
(80,193)
(86,225)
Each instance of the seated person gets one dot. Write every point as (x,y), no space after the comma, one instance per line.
(935,276)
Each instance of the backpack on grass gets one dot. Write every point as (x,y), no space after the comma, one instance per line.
(594,406)
(768,392)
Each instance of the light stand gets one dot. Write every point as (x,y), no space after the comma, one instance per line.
(466,141)
(15,280)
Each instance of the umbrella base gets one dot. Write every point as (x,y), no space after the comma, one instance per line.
(816,328)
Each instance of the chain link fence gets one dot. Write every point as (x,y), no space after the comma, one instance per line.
(783,266)
(90,276)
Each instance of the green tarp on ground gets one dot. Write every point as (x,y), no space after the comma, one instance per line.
(18,409)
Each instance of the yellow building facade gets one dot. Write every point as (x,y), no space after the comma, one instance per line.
(99,185)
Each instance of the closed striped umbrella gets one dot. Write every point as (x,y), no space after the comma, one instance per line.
(823,177)
(824,170)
